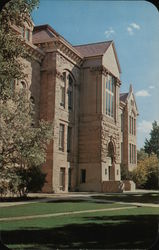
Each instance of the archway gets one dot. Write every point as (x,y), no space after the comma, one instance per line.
(111,155)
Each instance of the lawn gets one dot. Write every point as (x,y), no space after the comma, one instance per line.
(129,228)
(53,207)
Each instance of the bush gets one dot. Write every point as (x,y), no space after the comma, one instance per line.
(146,174)
(30,180)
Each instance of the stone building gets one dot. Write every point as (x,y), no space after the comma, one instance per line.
(78,88)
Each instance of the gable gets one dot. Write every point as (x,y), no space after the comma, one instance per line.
(132,103)
(43,34)
(110,61)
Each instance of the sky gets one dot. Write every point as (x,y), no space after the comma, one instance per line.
(134,28)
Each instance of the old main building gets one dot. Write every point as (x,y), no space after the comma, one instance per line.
(78,88)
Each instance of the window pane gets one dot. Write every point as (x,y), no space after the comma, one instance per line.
(62,102)
(83,175)
(69,136)
(61,137)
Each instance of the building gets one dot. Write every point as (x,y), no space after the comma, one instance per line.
(78,88)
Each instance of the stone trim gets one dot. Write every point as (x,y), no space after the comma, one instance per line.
(105,72)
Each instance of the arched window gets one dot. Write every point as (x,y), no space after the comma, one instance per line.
(70,92)
(111,151)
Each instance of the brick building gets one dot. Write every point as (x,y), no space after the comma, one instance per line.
(78,88)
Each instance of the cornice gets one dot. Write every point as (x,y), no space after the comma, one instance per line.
(104,71)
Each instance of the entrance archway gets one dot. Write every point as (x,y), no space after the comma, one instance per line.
(111,154)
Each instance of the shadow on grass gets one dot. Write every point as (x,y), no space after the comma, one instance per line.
(96,232)
(143,198)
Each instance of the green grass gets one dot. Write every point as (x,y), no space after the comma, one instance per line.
(129,228)
(53,207)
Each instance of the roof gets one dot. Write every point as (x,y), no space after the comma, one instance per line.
(123,96)
(93,49)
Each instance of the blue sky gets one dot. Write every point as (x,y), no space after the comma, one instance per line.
(134,27)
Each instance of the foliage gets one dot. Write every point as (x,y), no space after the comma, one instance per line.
(22,142)
(141,155)
(125,173)
(146,173)
(152,145)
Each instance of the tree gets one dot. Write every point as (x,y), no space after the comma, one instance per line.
(147,172)
(152,145)
(22,144)
(141,155)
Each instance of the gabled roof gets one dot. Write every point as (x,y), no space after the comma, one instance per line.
(123,97)
(93,49)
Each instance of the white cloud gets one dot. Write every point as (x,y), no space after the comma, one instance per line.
(109,32)
(132,27)
(144,126)
(142,93)
(135,26)
(151,87)
(130,31)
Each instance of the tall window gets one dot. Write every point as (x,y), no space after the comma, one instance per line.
(130,153)
(70,92)
(69,137)
(62,179)
(27,34)
(62,91)
(61,137)
(132,125)
(109,94)
(122,122)
(83,176)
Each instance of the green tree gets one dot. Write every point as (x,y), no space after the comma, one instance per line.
(147,172)
(141,155)
(152,145)
(22,144)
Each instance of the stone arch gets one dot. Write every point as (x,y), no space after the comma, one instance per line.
(111,150)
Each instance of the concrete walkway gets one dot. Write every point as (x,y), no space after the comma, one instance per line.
(63,213)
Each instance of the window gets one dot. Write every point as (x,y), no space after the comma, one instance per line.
(61,137)
(122,123)
(70,92)
(27,34)
(83,175)
(130,155)
(109,94)
(62,96)
(62,179)
(134,126)
(130,124)
(105,171)
(69,137)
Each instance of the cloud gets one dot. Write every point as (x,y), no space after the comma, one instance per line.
(130,31)
(151,87)
(132,27)
(109,32)
(142,93)
(135,26)
(144,126)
